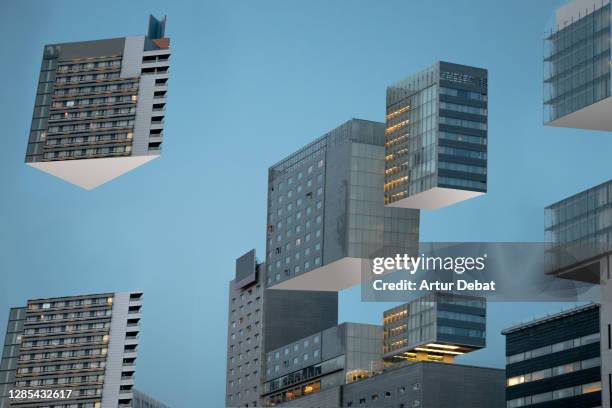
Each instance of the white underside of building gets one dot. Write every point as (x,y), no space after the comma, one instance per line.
(92,173)
(334,277)
(597,116)
(434,198)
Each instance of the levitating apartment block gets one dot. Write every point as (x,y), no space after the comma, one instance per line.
(436,137)
(100,107)
(434,327)
(326,214)
(577,67)
(85,346)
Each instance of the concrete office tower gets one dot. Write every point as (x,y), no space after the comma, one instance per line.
(555,361)
(326,214)
(142,400)
(83,345)
(436,137)
(310,371)
(260,320)
(578,230)
(245,334)
(429,385)
(577,67)
(100,107)
(434,327)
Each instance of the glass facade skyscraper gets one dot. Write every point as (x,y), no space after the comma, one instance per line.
(577,66)
(436,137)
(555,361)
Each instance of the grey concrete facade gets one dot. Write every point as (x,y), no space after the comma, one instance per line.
(245,342)
(259,320)
(86,345)
(321,363)
(99,108)
(429,385)
(325,211)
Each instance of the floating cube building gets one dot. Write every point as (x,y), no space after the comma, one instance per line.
(100,107)
(577,67)
(436,137)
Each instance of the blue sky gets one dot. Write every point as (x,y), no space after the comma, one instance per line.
(250,83)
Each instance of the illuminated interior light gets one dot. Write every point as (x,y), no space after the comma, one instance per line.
(444,346)
(454,353)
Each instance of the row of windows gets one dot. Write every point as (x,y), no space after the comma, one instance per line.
(297,217)
(553,348)
(85,78)
(298,255)
(249,328)
(155,58)
(460,331)
(463,138)
(451,181)
(88,152)
(67,328)
(104,100)
(296,361)
(307,211)
(94,352)
(388,394)
(92,125)
(72,315)
(477,96)
(463,108)
(89,139)
(554,371)
(249,318)
(86,365)
(306,237)
(471,154)
(95,89)
(466,168)
(246,365)
(246,377)
(297,269)
(463,123)
(70,303)
(64,341)
(296,347)
(554,395)
(93,113)
(88,65)
(464,317)
(247,293)
(61,380)
(300,175)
